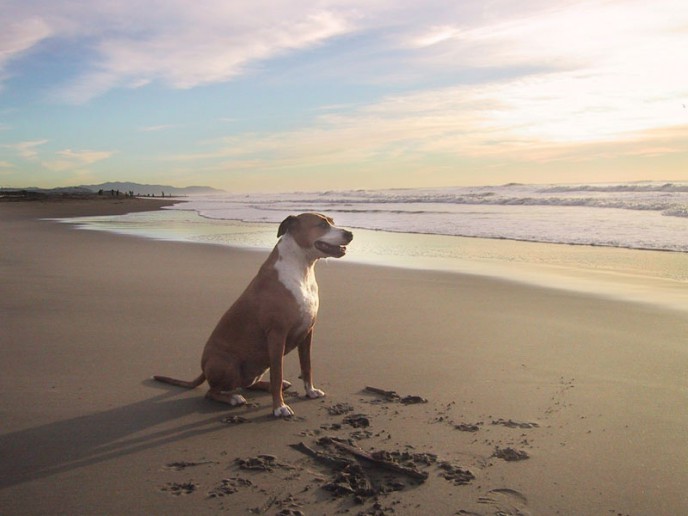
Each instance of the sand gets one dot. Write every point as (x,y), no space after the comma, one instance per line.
(523,400)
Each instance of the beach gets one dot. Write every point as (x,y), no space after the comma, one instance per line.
(524,400)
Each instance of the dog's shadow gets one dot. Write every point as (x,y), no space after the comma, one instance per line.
(65,445)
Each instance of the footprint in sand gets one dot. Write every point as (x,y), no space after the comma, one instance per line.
(508,502)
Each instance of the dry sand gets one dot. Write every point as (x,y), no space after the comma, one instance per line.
(593,392)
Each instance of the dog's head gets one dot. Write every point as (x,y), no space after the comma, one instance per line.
(318,232)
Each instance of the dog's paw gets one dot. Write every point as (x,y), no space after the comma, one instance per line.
(283,411)
(237,399)
(314,393)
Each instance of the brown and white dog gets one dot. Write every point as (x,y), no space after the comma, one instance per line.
(275,314)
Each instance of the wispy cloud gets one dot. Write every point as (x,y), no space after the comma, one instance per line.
(27,150)
(537,119)
(436,81)
(66,159)
(605,76)
(179,44)
(17,36)
(185,45)
(69,159)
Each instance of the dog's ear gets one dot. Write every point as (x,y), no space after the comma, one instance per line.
(287,224)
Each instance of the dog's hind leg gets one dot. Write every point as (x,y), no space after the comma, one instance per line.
(226,397)
(223,378)
(262,385)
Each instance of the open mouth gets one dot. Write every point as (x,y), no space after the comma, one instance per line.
(336,251)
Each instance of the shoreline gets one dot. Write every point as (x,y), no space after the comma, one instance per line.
(643,276)
(592,390)
(58,206)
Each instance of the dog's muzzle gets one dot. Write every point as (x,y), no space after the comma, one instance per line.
(335,250)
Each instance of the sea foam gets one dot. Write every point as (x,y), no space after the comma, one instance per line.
(643,215)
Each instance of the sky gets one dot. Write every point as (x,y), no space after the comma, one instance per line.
(314,94)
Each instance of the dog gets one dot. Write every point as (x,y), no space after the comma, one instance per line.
(274,315)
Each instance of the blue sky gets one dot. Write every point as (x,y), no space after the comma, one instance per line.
(308,95)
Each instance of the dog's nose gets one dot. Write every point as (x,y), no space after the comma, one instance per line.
(348,235)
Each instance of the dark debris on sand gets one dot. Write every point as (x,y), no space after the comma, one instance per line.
(405,458)
(234,420)
(261,463)
(509,423)
(350,480)
(182,465)
(180,488)
(510,454)
(361,474)
(339,409)
(467,427)
(357,475)
(291,512)
(229,486)
(456,474)
(392,396)
(357,420)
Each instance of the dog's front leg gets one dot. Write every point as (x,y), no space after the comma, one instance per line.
(306,371)
(276,347)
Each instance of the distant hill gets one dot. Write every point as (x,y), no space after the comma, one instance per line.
(121,187)
(157,190)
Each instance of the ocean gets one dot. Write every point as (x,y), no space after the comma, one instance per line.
(626,240)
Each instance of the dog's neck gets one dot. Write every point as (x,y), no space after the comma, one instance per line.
(294,257)
(296,267)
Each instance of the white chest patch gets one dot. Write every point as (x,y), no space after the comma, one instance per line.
(298,276)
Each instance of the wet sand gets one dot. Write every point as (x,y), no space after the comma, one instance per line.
(539,401)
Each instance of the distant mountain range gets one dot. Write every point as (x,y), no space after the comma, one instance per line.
(124,188)
(140,189)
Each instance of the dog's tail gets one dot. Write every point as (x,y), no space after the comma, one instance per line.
(181,383)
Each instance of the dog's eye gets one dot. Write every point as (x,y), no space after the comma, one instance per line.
(324,224)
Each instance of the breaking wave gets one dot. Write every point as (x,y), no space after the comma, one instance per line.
(647,215)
